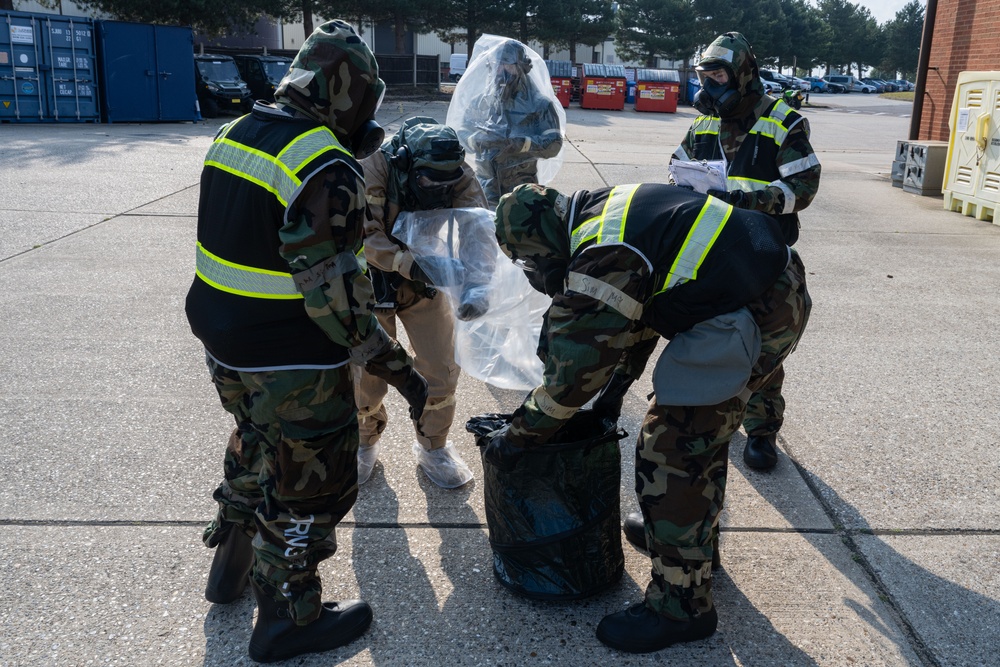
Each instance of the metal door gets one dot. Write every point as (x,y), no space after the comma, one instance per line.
(175,73)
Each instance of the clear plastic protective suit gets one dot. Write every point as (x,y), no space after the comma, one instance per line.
(458,251)
(507,116)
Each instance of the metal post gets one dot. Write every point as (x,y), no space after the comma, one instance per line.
(922,66)
(414,69)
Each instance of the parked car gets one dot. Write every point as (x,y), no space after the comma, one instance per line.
(801,84)
(836,87)
(877,85)
(219,86)
(771,87)
(890,86)
(821,85)
(851,84)
(904,85)
(775,77)
(262,74)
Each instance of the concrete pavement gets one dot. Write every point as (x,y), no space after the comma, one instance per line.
(874,542)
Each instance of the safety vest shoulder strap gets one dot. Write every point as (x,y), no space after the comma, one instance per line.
(609,226)
(279,174)
(706,125)
(699,241)
(777,122)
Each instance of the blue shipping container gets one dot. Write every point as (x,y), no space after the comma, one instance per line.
(147,72)
(48,68)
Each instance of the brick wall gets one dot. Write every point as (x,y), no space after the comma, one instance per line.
(965,39)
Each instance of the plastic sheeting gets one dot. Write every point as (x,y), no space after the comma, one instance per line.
(499,346)
(555,520)
(507,116)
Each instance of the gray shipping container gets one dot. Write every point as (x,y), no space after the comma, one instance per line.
(48,68)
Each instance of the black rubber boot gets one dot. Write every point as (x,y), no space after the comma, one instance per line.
(760,452)
(635,533)
(639,629)
(276,636)
(230,567)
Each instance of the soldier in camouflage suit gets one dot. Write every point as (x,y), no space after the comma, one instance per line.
(510,125)
(283,307)
(625,265)
(771,167)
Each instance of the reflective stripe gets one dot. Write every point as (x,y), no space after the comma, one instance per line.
(276,174)
(548,405)
(243,280)
(745,183)
(773,124)
(789,206)
(332,267)
(605,293)
(706,125)
(609,227)
(808,162)
(706,228)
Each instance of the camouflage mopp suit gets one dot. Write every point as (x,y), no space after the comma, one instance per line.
(627,265)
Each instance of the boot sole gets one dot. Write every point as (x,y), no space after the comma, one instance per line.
(266,655)
(653,647)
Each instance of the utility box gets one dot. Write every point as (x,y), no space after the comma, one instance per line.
(48,68)
(561,77)
(147,72)
(972,173)
(657,90)
(899,164)
(603,87)
(924,170)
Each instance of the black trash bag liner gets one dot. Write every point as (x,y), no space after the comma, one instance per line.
(555,520)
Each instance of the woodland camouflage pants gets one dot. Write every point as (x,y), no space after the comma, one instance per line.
(682,455)
(291,474)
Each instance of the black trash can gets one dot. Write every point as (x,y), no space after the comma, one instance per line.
(555,520)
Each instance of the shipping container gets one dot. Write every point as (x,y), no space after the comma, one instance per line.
(147,72)
(48,69)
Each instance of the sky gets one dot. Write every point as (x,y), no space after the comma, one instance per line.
(883,10)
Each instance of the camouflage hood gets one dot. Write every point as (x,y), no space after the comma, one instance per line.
(423,147)
(732,51)
(430,145)
(531,223)
(333,79)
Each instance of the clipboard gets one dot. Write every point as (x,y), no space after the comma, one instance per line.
(701,175)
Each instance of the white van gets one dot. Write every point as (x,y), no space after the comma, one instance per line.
(456,65)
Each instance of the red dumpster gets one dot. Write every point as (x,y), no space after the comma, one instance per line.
(657,90)
(603,87)
(561,76)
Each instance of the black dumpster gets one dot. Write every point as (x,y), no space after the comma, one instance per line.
(555,520)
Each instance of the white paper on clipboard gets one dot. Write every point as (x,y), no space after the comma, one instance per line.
(703,175)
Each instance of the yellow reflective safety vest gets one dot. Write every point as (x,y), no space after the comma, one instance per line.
(243,303)
(702,256)
(755,165)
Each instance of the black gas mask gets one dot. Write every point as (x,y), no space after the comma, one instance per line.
(716,98)
(432,188)
(366,139)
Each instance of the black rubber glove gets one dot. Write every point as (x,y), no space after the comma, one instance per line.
(440,271)
(414,390)
(394,366)
(475,302)
(737,198)
(501,453)
(608,404)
